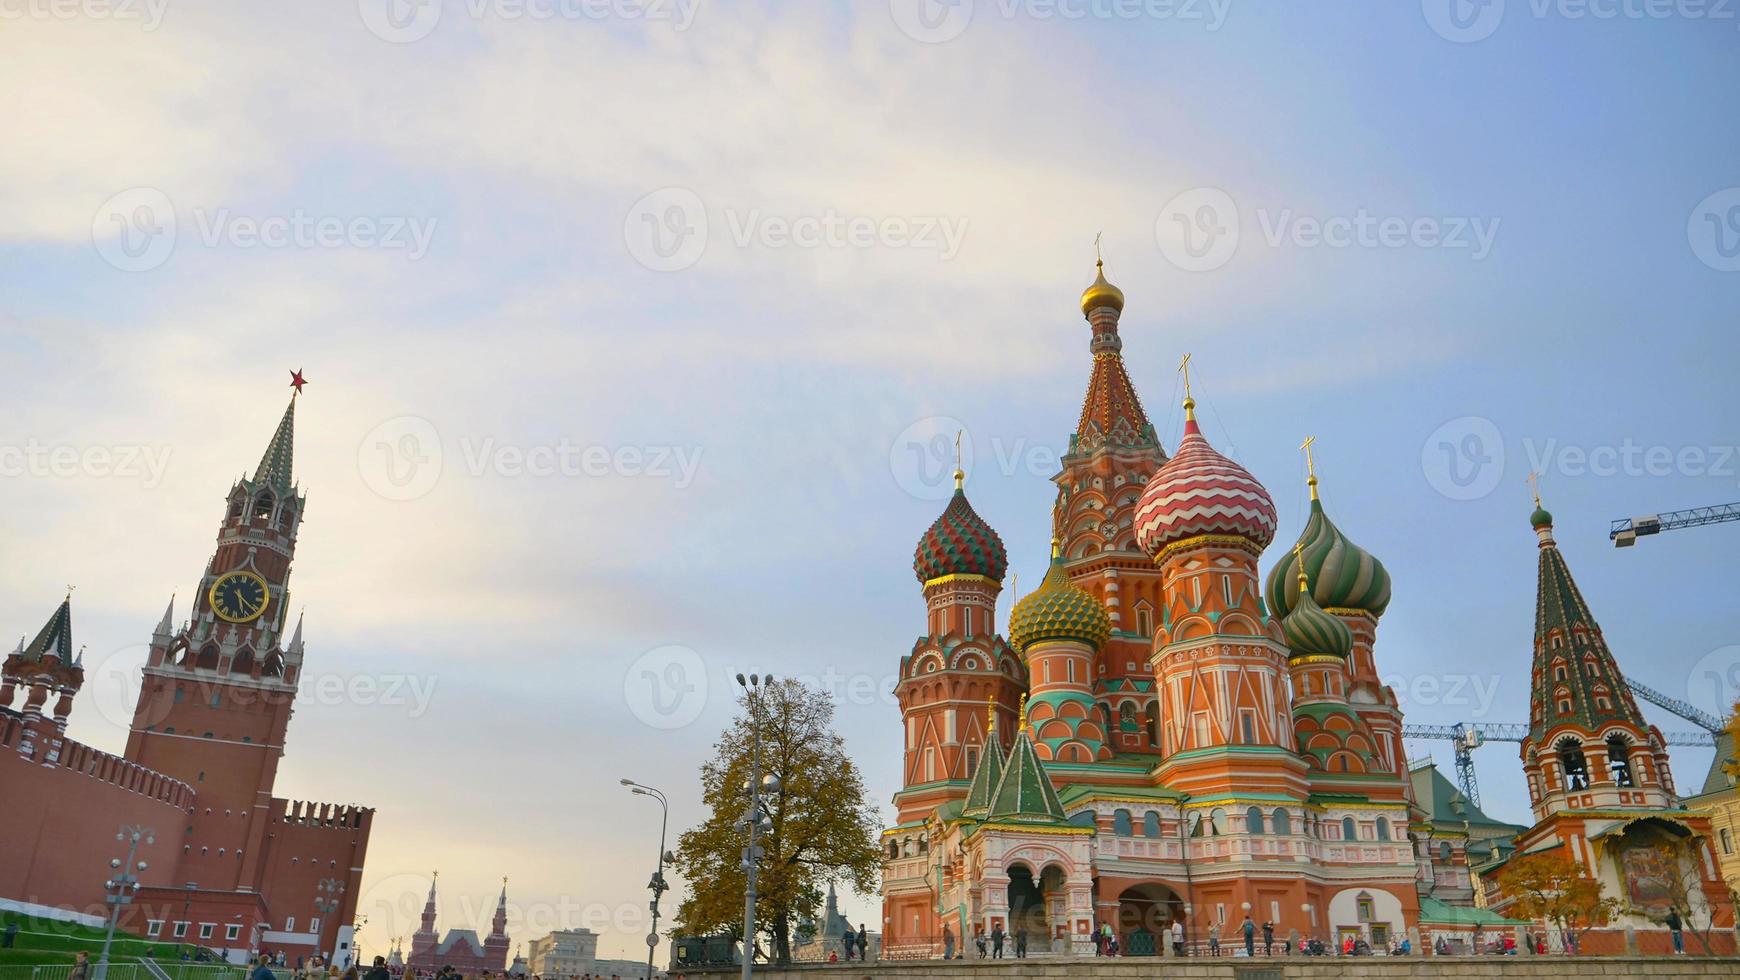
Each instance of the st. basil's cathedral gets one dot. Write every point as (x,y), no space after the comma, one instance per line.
(1167,734)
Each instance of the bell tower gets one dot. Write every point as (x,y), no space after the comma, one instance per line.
(218,691)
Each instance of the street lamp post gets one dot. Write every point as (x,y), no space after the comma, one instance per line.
(326,903)
(121,888)
(755,820)
(1189,882)
(658,885)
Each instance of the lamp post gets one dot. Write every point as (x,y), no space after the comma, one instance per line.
(755,820)
(658,885)
(326,903)
(120,888)
(1189,882)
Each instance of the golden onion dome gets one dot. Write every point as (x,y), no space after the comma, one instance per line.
(1058,610)
(1101,293)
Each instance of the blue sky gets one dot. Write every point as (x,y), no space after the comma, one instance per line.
(737,423)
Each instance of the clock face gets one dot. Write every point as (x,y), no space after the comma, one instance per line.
(239,597)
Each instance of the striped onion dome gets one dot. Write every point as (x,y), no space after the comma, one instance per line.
(1058,610)
(1342,574)
(959,543)
(1311,632)
(1198,491)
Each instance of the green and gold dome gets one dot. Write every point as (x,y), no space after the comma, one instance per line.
(959,542)
(1308,630)
(1058,610)
(1342,575)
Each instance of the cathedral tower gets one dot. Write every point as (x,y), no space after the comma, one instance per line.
(1059,628)
(960,663)
(1112,454)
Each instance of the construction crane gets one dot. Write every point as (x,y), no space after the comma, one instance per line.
(1625,532)
(1465,737)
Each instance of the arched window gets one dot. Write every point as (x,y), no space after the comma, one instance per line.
(1619,760)
(1217,822)
(1121,823)
(1127,717)
(263,507)
(1144,621)
(1383,829)
(1283,825)
(1347,831)
(1571,759)
(1150,824)
(1254,821)
(1196,825)
(893,849)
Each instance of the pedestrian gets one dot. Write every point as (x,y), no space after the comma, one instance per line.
(997,941)
(1099,941)
(1675,925)
(1177,937)
(352,973)
(948,942)
(1268,938)
(379,970)
(1214,939)
(979,940)
(1529,940)
(1021,941)
(850,939)
(863,943)
(11,935)
(1510,944)
(1250,930)
(81,967)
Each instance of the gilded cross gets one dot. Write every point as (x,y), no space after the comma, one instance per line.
(1184,369)
(1534,480)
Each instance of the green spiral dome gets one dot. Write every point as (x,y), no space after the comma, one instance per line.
(1342,574)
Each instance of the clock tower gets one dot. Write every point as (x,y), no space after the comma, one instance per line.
(218,690)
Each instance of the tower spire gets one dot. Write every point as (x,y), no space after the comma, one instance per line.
(275,464)
(1111,414)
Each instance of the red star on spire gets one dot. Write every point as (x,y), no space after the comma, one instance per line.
(297,381)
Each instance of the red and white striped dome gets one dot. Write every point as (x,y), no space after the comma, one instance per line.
(1199,491)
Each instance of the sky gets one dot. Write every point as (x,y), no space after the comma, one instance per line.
(637,333)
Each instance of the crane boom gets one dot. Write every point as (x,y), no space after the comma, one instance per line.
(1703,719)
(1625,531)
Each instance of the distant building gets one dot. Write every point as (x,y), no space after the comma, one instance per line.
(563,953)
(1719,800)
(460,948)
(829,937)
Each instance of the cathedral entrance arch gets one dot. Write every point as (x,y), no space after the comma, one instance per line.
(1145,915)
(1026,902)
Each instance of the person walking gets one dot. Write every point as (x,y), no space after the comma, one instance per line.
(1214,939)
(379,970)
(863,943)
(1099,941)
(81,969)
(1250,930)
(850,939)
(997,941)
(11,935)
(979,939)
(1675,927)
(1021,941)
(1268,938)
(948,942)
(1177,937)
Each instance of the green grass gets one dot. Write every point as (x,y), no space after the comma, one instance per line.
(43,936)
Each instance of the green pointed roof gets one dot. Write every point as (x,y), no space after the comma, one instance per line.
(274,468)
(985,779)
(1025,793)
(1563,616)
(56,636)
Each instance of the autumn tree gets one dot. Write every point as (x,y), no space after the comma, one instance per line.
(1685,888)
(822,829)
(1556,889)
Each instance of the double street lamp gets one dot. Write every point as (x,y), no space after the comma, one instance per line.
(122,886)
(658,885)
(755,820)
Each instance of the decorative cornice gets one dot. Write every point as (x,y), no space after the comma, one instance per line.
(1204,541)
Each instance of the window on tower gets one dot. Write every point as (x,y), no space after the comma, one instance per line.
(263,508)
(1347,829)
(1576,769)
(1619,760)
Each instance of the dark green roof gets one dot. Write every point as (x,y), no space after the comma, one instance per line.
(1025,793)
(1561,613)
(1717,779)
(1443,913)
(55,637)
(1435,795)
(985,779)
(274,468)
